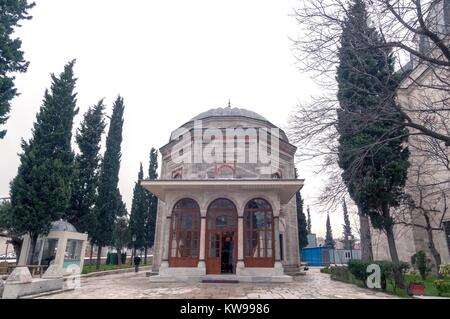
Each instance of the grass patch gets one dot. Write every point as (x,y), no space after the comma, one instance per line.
(87,269)
(430,288)
(342,274)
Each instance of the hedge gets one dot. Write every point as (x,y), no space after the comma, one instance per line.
(111,258)
(357,270)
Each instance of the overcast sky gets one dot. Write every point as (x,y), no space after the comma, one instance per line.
(170,60)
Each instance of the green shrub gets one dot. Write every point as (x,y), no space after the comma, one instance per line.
(444,270)
(421,263)
(111,258)
(325,270)
(341,273)
(358,269)
(442,286)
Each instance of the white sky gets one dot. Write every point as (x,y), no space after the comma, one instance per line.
(170,60)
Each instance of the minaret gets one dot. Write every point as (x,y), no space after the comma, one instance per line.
(229,103)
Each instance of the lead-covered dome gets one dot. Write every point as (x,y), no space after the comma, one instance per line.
(62,225)
(229,111)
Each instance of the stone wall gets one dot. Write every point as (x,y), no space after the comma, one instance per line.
(428,183)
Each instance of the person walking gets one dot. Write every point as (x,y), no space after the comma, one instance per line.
(137,262)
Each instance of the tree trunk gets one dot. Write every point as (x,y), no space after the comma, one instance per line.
(17,245)
(389,229)
(366,238)
(99,254)
(119,257)
(33,249)
(91,253)
(145,256)
(431,246)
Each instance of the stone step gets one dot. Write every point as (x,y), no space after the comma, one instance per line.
(220,279)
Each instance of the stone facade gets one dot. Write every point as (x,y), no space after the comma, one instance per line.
(424,96)
(238,180)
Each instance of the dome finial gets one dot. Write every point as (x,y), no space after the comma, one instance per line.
(229,103)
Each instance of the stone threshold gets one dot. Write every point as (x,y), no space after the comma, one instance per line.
(220,279)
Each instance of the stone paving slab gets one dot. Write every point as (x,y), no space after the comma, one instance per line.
(137,286)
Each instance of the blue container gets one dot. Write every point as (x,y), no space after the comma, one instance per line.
(316,256)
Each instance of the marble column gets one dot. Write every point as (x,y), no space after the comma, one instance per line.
(165,245)
(240,262)
(202,247)
(276,230)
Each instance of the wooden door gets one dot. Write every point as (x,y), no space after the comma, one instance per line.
(221,220)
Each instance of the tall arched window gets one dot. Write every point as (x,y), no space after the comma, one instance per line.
(185,234)
(258,230)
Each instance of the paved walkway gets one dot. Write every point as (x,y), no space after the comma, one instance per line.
(137,286)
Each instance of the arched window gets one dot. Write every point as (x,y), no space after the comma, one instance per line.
(185,234)
(258,230)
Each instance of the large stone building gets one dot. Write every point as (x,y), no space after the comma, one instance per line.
(226,204)
(425,97)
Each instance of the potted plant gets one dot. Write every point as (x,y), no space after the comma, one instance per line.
(422,264)
(416,287)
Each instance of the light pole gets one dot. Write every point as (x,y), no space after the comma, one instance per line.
(133,238)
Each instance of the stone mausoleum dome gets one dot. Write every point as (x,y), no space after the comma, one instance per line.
(62,225)
(228,111)
(216,117)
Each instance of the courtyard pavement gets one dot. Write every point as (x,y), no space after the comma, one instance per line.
(137,286)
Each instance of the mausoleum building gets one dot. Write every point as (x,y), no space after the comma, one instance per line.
(227,203)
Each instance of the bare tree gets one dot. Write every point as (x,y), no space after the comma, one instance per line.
(418,33)
(428,190)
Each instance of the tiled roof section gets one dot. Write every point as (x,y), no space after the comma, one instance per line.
(62,225)
(228,111)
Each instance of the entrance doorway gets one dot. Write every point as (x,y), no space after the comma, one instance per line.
(221,230)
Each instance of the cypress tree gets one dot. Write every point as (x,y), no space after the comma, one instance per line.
(150,220)
(371,144)
(11,57)
(7,227)
(139,210)
(87,169)
(108,204)
(121,235)
(348,236)
(329,241)
(41,191)
(301,223)
(308,224)
(301,220)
